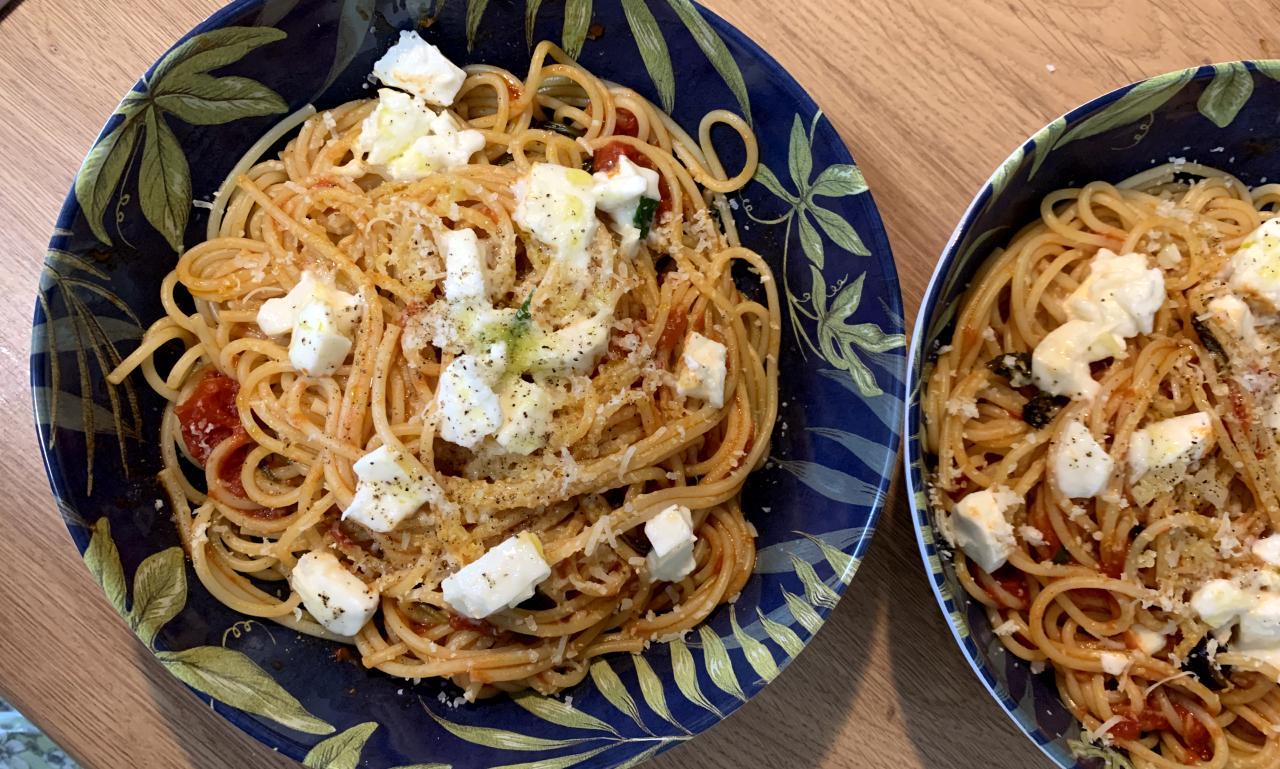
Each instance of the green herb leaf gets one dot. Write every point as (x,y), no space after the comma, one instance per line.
(100,175)
(839,181)
(530,19)
(577,19)
(645,211)
(757,654)
(1138,102)
(839,231)
(500,739)
(164,182)
(1062,557)
(1044,140)
(715,50)
(103,561)
(159,592)
(208,100)
(1227,94)
(230,677)
(719,665)
(653,50)
(211,50)
(341,751)
(475,12)
(561,713)
(524,315)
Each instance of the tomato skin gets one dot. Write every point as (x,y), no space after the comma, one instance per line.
(1193,734)
(625,123)
(606,157)
(208,416)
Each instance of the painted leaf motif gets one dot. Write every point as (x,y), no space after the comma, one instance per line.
(651,689)
(475,12)
(1138,102)
(530,19)
(98,179)
(839,231)
(715,50)
(719,666)
(843,564)
(804,613)
(872,454)
(839,181)
(1044,140)
(159,592)
(1006,171)
(353,27)
(639,758)
(653,50)
(273,11)
(1227,94)
(770,181)
(685,671)
(211,50)
(776,558)
(207,100)
(1269,67)
(611,686)
(831,483)
(782,635)
(757,654)
(562,713)
(103,561)
(811,241)
(164,182)
(815,590)
(847,301)
(577,18)
(70,415)
(60,333)
(341,751)
(500,738)
(558,762)
(799,156)
(230,677)
(426,766)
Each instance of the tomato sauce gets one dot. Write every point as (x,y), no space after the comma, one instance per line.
(1195,735)
(1013,582)
(625,123)
(208,416)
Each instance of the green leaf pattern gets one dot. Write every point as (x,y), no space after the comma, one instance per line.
(1226,94)
(341,751)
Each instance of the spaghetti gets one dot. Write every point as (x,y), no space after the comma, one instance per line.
(1125,520)
(626,441)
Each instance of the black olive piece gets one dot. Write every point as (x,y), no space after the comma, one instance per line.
(1201,665)
(1209,341)
(1041,409)
(564,130)
(1014,366)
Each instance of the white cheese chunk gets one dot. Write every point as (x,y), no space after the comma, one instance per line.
(500,579)
(1219,602)
(1165,444)
(404,140)
(670,532)
(1260,624)
(1120,292)
(277,316)
(1149,642)
(703,372)
(464,266)
(416,66)
(1255,267)
(1079,466)
(1237,319)
(446,148)
(981,528)
(1267,549)
(470,410)
(574,349)
(1114,663)
(388,491)
(336,598)
(319,346)
(557,205)
(1060,363)
(527,412)
(618,194)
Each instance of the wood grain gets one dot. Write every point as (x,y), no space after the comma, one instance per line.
(929,95)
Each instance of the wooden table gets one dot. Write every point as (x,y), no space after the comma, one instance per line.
(929,94)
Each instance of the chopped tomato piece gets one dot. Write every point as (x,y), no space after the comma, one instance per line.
(1013,582)
(606,158)
(625,124)
(208,416)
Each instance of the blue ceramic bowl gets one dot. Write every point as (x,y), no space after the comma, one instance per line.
(1222,115)
(183,127)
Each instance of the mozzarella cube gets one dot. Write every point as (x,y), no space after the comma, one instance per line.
(1260,624)
(277,316)
(469,408)
(390,489)
(319,347)
(1219,602)
(1164,445)
(704,371)
(527,411)
(416,66)
(464,266)
(1267,549)
(574,349)
(394,125)
(1120,292)
(336,598)
(1079,465)
(1237,319)
(1114,663)
(502,578)
(435,153)
(557,205)
(1255,267)
(981,528)
(618,194)
(670,532)
(1060,363)
(1149,642)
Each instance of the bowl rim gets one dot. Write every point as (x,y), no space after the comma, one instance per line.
(913,456)
(896,389)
